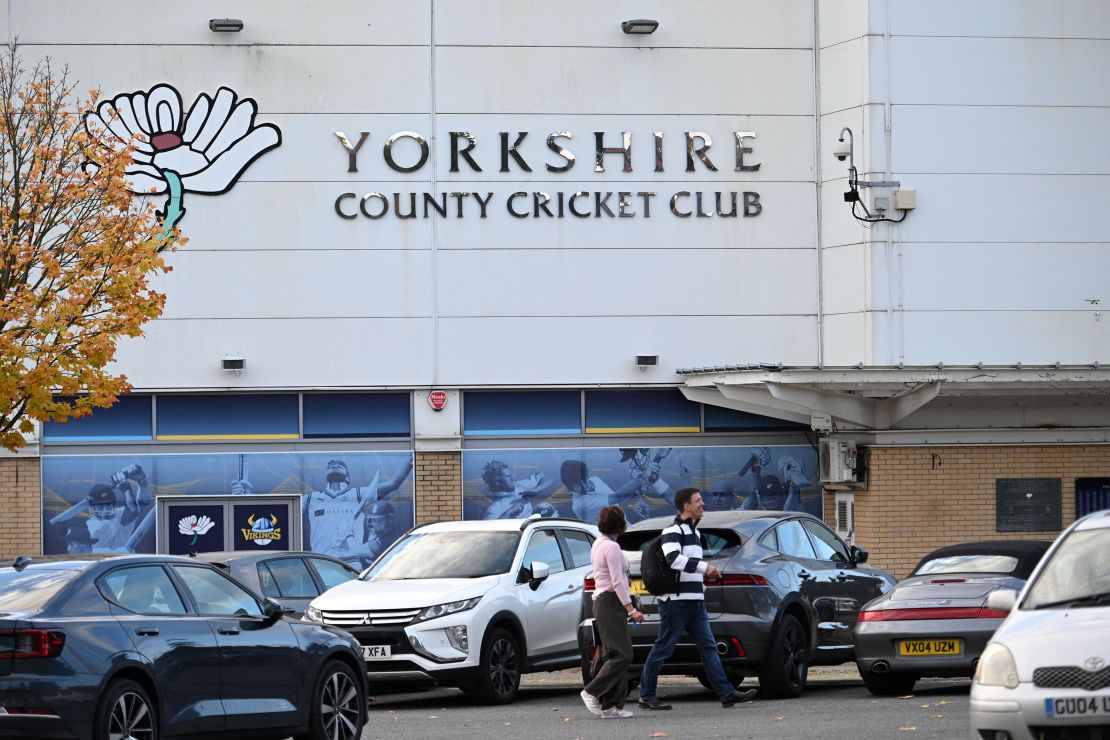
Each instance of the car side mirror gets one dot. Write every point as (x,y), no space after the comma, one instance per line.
(858,554)
(540,572)
(273,611)
(1002,600)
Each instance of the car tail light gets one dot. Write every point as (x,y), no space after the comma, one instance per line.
(588,584)
(35,711)
(32,643)
(739,579)
(738,647)
(943,612)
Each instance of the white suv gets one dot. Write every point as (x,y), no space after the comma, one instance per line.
(469,604)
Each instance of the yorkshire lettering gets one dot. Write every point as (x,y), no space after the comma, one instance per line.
(508,157)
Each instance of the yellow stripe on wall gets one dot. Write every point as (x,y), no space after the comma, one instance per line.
(640,430)
(218,437)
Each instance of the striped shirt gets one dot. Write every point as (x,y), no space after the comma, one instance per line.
(682,549)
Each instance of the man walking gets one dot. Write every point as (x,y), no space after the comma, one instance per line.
(684,611)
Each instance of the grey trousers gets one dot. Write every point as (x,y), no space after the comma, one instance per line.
(610,686)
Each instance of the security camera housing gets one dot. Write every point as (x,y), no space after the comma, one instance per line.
(842,149)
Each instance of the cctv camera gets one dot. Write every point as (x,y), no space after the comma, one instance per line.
(842,149)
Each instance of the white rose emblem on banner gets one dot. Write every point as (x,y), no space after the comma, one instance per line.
(203,151)
(195,526)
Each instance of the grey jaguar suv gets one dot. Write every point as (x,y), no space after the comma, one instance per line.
(789,596)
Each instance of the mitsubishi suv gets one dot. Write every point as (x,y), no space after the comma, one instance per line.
(470,604)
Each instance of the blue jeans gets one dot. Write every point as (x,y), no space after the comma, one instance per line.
(675,617)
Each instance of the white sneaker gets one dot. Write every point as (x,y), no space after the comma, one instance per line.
(615,713)
(591,702)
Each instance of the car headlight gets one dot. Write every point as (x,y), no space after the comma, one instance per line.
(312,614)
(997,667)
(442,610)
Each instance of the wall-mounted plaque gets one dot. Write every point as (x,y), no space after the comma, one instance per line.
(1027,504)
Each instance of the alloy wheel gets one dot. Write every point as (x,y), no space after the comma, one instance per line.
(503,667)
(339,707)
(131,719)
(794,655)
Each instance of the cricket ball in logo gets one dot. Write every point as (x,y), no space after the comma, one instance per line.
(262,531)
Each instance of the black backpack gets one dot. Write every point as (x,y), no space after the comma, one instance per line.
(659,577)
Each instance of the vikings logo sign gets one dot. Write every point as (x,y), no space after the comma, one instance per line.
(262,531)
(203,151)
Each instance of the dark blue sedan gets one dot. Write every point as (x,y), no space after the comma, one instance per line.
(148,646)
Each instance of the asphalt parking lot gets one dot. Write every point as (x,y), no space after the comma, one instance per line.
(836,705)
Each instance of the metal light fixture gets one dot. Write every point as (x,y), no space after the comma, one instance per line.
(234,364)
(640,26)
(645,361)
(225,25)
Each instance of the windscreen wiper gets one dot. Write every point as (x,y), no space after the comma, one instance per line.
(1089,600)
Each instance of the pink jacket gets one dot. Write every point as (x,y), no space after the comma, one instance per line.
(610,569)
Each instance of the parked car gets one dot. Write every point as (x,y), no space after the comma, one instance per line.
(936,622)
(143,646)
(470,604)
(292,579)
(1046,672)
(788,597)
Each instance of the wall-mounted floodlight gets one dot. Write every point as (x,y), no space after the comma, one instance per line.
(234,364)
(640,26)
(645,361)
(225,25)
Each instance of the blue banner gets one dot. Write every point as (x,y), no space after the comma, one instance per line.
(579,482)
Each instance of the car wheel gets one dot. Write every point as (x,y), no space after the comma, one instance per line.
(783,673)
(499,669)
(338,708)
(125,710)
(888,684)
(733,677)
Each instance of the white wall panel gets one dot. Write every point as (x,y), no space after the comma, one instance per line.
(837,224)
(287,79)
(845,272)
(1007,208)
(1012,277)
(976,71)
(1000,337)
(1018,140)
(844,75)
(789,218)
(282,22)
(1055,19)
(577,23)
(846,339)
(840,20)
(582,350)
(675,81)
(615,282)
(313,353)
(293,284)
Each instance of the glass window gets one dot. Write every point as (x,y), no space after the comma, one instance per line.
(770,539)
(145,589)
(216,594)
(982,563)
(720,419)
(29,590)
(127,420)
(447,555)
(827,544)
(1078,569)
(291,577)
(356,414)
(544,548)
(266,582)
(632,412)
(228,416)
(332,573)
(514,413)
(580,545)
(793,540)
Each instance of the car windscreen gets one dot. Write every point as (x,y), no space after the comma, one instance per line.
(29,590)
(715,543)
(1079,571)
(981,563)
(446,555)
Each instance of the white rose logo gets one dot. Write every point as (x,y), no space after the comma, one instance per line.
(202,151)
(195,526)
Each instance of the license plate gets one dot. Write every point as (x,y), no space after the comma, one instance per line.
(914,648)
(1077,706)
(376,652)
(636,587)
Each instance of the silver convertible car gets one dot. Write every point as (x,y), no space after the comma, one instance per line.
(936,623)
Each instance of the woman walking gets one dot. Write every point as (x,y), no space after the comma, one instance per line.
(612,608)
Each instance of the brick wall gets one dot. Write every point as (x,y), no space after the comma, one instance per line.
(20,496)
(920,498)
(438,486)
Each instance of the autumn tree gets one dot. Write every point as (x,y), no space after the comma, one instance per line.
(78,252)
